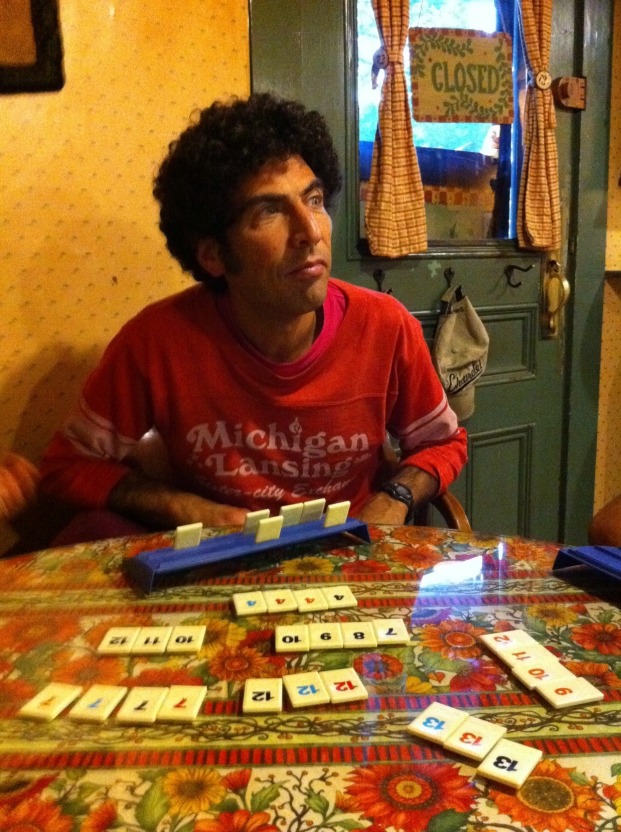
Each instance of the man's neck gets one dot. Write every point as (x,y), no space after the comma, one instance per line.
(285,342)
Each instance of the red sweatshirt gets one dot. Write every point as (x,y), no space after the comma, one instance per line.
(239,433)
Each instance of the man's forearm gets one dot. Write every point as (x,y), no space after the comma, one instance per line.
(384,509)
(159,506)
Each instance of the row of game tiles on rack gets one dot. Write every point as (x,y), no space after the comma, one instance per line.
(264,527)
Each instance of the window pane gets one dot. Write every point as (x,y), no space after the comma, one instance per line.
(467,169)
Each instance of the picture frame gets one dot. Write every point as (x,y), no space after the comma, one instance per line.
(39,22)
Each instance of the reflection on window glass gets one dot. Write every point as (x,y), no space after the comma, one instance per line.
(466,168)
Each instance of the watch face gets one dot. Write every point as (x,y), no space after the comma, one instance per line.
(399,492)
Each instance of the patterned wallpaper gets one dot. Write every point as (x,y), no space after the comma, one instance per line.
(80,250)
(608,469)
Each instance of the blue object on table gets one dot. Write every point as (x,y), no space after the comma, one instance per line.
(603,558)
(150,568)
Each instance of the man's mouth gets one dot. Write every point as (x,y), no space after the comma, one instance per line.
(310,268)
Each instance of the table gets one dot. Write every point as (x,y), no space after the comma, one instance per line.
(333,768)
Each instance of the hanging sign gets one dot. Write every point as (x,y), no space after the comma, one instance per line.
(461,75)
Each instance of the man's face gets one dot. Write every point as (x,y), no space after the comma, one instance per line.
(278,254)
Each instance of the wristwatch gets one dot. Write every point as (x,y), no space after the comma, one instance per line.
(400,492)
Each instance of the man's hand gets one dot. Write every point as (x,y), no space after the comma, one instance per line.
(18,484)
(382,509)
(159,506)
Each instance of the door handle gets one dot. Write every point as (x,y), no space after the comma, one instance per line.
(556,291)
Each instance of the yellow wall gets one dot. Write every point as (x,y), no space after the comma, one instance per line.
(80,250)
(608,470)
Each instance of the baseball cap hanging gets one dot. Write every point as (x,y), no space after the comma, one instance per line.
(459,350)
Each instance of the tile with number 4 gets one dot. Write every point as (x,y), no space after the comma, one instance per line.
(249,603)
(310,600)
(474,738)
(563,693)
(306,689)
(510,763)
(339,597)
(437,722)
(262,696)
(344,685)
(280,600)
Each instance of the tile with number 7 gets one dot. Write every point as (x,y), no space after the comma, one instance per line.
(262,696)
(474,738)
(182,703)
(510,763)
(344,685)
(437,722)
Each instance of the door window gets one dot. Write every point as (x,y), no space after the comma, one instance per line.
(469,170)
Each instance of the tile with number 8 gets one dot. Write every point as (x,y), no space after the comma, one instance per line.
(510,763)
(474,738)
(358,634)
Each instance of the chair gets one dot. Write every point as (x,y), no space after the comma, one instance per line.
(605,526)
(447,505)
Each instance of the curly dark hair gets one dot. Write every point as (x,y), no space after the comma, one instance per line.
(197,181)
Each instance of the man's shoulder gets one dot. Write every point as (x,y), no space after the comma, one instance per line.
(180,305)
(379,305)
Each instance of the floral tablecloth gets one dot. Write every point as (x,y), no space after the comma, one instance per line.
(331,768)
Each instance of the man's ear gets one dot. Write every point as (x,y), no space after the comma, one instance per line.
(208,254)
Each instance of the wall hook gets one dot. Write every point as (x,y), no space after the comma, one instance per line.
(379,277)
(509,274)
(449,274)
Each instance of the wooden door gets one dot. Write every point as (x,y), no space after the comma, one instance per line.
(532,436)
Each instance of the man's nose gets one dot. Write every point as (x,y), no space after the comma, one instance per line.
(305,227)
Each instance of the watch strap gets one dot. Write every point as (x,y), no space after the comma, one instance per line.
(399,491)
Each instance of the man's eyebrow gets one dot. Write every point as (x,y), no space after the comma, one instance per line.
(268,198)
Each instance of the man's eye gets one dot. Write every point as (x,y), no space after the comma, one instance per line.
(316,200)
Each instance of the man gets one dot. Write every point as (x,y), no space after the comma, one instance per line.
(18,484)
(269,382)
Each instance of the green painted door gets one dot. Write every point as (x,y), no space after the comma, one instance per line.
(532,436)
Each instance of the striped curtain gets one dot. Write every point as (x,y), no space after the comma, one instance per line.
(539,204)
(395,208)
